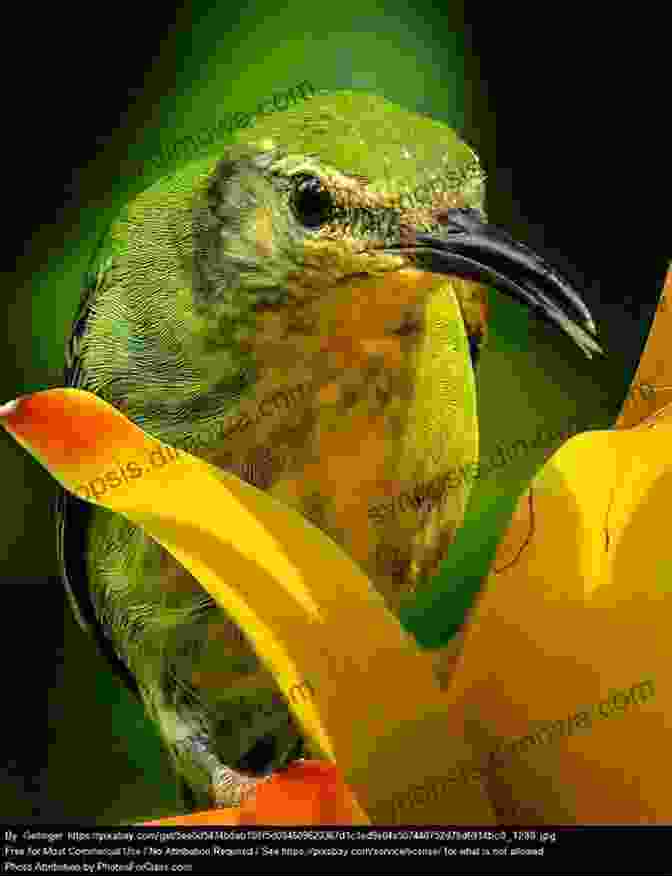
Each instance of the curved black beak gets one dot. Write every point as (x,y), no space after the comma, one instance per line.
(470,247)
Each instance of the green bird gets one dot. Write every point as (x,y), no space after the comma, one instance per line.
(304,308)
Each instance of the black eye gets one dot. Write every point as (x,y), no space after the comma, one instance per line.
(311,202)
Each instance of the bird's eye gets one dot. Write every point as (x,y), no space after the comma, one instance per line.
(311,202)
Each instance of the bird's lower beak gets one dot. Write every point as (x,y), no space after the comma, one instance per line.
(470,247)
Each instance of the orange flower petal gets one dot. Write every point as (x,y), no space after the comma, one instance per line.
(306,793)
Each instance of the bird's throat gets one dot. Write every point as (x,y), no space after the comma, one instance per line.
(365,400)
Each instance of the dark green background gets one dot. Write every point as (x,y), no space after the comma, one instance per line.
(567,115)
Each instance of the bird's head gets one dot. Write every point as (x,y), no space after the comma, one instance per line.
(343,191)
(343,216)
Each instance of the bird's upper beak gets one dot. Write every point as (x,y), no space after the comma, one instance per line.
(470,247)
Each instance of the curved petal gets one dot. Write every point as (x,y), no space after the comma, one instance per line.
(562,683)
(289,586)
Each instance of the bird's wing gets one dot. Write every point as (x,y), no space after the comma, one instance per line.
(72,515)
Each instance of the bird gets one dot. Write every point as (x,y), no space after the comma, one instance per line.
(304,307)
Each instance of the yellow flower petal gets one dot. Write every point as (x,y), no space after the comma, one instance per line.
(572,633)
(310,611)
